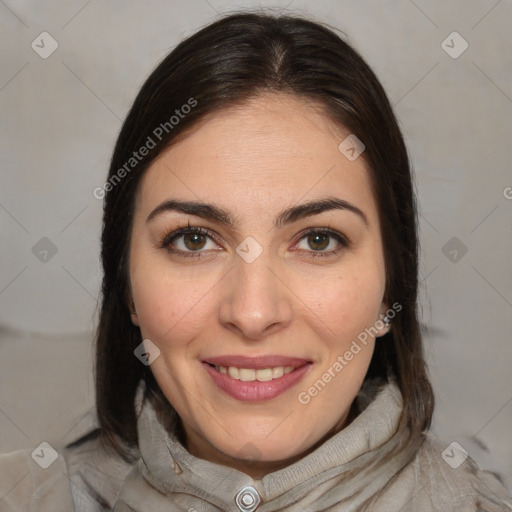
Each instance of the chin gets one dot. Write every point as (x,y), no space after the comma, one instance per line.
(252,447)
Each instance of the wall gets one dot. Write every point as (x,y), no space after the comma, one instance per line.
(60,118)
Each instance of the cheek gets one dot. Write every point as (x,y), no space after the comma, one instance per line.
(344,305)
(169,306)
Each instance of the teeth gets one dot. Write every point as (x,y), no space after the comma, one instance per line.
(247,375)
(233,372)
(277,372)
(263,375)
(250,374)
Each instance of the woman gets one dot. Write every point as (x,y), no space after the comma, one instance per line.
(258,345)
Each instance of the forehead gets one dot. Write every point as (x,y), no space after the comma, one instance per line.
(273,150)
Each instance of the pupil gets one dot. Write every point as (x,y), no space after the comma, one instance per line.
(316,240)
(194,241)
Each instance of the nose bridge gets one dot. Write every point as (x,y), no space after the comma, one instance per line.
(257,282)
(255,298)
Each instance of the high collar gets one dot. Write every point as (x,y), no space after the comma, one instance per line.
(351,466)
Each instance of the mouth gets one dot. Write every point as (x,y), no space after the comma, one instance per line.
(256,379)
(255,374)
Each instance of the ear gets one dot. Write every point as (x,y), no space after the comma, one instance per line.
(133,313)
(383,323)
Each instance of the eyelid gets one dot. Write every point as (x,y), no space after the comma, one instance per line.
(324,231)
(185,230)
(169,237)
(342,240)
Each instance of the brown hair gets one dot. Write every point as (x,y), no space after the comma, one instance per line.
(225,64)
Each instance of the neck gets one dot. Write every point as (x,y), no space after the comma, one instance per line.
(200,447)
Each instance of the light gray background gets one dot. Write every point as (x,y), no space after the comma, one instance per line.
(60,119)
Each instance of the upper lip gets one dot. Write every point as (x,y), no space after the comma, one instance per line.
(256,363)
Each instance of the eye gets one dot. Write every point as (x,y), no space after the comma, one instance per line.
(189,241)
(322,242)
(194,241)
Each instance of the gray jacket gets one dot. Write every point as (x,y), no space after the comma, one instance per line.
(366,466)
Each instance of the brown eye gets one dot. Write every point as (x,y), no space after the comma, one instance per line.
(194,241)
(189,242)
(322,242)
(318,241)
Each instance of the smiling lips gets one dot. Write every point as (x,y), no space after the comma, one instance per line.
(255,378)
(262,369)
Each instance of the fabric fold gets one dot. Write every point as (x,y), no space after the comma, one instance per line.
(375,446)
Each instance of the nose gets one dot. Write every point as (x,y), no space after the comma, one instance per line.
(256,301)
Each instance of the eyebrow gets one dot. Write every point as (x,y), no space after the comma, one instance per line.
(288,216)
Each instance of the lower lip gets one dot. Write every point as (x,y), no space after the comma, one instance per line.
(255,390)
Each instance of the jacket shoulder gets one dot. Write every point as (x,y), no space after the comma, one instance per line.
(96,472)
(35,480)
(442,476)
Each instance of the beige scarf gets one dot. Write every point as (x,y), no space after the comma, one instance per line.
(344,473)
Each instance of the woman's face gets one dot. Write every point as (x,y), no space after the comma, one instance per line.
(287,272)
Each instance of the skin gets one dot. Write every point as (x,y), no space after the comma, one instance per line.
(274,152)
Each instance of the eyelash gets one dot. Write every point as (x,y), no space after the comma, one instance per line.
(168,238)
